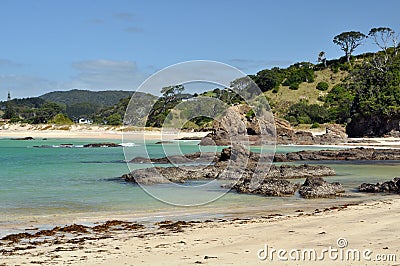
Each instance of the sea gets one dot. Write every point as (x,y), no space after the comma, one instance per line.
(48,182)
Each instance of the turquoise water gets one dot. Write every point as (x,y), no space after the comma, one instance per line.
(44,184)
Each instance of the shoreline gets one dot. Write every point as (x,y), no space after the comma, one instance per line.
(93,132)
(221,241)
(78,131)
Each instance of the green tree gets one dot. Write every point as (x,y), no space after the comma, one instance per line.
(61,119)
(114,119)
(304,113)
(45,113)
(169,99)
(322,58)
(322,86)
(349,41)
(9,112)
(376,106)
(269,79)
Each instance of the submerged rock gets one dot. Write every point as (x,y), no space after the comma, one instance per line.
(25,138)
(317,187)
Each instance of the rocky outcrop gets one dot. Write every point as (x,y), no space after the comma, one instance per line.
(236,125)
(25,138)
(223,170)
(101,145)
(374,126)
(160,175)
(268,187)
(197,157)
(345,154)
(317,187)
(392,134)
(392,186)
(299,171)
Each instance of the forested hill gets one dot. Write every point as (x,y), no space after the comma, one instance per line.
(98,98)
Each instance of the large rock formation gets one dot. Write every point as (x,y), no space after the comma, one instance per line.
(374,126)
(229,167)
(238,125)
(317,187)
(344,154)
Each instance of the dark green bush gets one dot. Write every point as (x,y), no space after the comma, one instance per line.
(294,86)
(322,86)
(315,125)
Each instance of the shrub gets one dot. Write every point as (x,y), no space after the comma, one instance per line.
(114,119)
(275,90)
(322,86)
(60,119)
(294,86)
(315,125)
(250,114)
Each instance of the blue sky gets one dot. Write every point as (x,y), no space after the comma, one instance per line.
(51,45)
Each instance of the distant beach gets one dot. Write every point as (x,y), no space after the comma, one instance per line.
(90,132)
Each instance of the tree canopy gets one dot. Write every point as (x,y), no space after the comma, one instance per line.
(349,41)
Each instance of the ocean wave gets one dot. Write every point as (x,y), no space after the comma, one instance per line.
(129,144)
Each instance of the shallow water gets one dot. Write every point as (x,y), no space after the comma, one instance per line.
(55,185)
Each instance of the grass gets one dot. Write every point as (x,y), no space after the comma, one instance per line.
(307,91)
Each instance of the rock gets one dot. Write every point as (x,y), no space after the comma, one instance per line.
(197,157)
(140,159)
(392,186)
(317,187)
(344,154)
(164,142)
(268,187)
(372,126)
(392,134)
(25,138)
(235,125)
(101,145)
(299,171)
(160,175)
(228,166)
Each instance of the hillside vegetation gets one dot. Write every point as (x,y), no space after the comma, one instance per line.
(359,91)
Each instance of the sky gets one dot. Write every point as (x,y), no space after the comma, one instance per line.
(49,45)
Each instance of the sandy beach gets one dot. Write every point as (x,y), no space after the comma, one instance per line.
(370,228)
(91,132)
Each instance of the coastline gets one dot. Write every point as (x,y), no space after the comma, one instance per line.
(234,238)
(369,225)
(92,132)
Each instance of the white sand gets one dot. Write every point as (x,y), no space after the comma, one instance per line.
(90,132)
(372,226)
